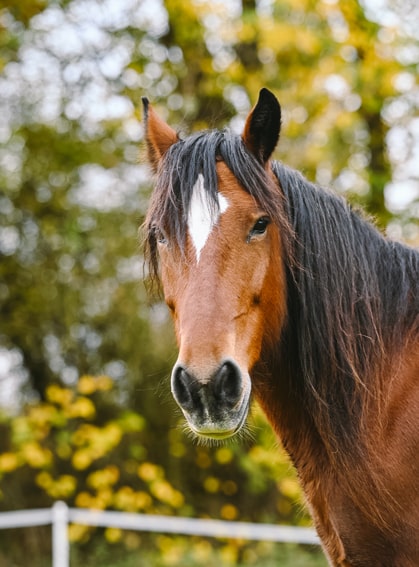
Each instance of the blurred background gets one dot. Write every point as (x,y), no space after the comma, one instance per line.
(86,414)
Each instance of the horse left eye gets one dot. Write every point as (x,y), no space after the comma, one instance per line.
(260,226)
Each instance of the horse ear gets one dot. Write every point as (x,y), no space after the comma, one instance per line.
(261,131)
(159,135)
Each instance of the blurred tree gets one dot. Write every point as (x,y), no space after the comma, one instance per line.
(69,252)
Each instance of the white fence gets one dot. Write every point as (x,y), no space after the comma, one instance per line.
(60,515)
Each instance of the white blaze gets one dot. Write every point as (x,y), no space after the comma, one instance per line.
(201,220)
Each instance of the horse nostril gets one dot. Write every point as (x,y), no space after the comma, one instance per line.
(228,383)
(222,392)
(181,387)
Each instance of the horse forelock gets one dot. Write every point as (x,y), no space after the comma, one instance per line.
(184,164)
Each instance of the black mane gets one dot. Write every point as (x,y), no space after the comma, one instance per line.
(351,292)
(352,295)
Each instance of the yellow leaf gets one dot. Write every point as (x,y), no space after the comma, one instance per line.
(229,512)
(104,383)
(81,407)
(103,478)
(202,552)
(99,502)
(211,484)
(229,487)
(149,472)
(42,416)
(35,455)
(9,462)
(66,485)
(22,430)
(82,458)
(130,501)
(77,532)
(162,490)
(113,535)
(84,500)
(224,455)
(44,480)
(131,422)
(84,434)
(124,499)
(112,434)
(60,396)
(203,460)
(290,488)
(63,487)
(103,499)
(87,385)
(229,554)
(142,500)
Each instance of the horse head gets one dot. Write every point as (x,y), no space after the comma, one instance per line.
(219,253)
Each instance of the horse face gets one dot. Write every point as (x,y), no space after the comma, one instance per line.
(222,292)
(223,288)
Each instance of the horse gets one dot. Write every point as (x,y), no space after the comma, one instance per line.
(281,292)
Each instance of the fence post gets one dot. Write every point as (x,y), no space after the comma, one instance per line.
(60,543)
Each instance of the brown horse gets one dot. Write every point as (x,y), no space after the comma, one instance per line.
(279,290)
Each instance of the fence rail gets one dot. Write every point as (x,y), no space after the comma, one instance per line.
(60,515)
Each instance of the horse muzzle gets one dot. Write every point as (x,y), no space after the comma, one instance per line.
(214,406)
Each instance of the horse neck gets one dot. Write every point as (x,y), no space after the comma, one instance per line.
(352,302)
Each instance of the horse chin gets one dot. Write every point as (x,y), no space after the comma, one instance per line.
(219,431)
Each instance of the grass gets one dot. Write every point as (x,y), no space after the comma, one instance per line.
(194,552)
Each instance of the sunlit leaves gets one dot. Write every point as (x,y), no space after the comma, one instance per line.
(9,462)
(90,384)
(77,459)
(62,487)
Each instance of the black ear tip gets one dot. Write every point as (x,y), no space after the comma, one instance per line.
(267,97)
(146,103)
(266,94)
